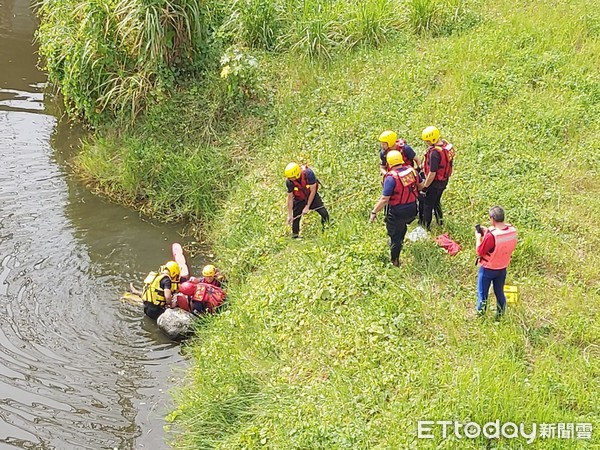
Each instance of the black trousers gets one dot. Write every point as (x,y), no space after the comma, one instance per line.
(153,311)
(432,205)
(421,207)
(397,220)
(316,205)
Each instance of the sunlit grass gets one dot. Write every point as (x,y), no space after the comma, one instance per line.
(325,345)
(112,59)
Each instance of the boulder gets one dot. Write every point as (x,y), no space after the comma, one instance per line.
(176,323)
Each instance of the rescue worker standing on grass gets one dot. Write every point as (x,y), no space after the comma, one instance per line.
(388,140)
(159,288)
(438,169)
(400,190)
(303,196)
(495,246)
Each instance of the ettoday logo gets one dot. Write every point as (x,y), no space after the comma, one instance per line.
(432,429)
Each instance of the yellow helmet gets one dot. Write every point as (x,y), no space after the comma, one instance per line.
(430,135)
(389,137)
(394,157)
(173,269)
(209,271)
(292,170)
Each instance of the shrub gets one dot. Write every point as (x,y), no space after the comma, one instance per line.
(114,58)
(320,30)
(255,23)
(239,70)
(370,23)
(437,17)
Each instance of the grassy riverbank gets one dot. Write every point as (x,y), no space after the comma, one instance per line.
(325,345)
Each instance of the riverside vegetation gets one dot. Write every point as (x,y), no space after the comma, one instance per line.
(324,345)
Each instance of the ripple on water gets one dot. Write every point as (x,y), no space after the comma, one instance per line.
(76,366)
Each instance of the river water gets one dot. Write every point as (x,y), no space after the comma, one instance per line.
(78,368)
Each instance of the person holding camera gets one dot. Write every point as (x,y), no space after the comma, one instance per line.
(495,246)
(400,191)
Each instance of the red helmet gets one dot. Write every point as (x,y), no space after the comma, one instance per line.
(194,280)
(187,288)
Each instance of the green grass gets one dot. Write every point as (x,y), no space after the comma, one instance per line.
(324,344)
(322,30)
(112,59)
(180,161)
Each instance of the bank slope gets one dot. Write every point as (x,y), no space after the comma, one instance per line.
(324,344)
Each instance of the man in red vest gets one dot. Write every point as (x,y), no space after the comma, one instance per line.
(495,246)
(388,141)
(400,191)
(303,196)
(438,168)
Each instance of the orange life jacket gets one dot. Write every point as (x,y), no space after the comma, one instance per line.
(446,151)
(301,187)
(211,296)
(405,190)
(215,282)
(505,243)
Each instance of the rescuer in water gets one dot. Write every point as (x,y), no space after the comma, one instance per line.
(159,288)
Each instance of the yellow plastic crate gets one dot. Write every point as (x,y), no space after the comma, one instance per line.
(511,293)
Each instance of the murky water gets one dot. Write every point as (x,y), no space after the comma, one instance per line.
(78,368)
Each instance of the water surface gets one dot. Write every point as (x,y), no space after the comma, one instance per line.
(78,368)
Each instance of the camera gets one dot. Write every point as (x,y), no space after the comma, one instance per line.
(478,229)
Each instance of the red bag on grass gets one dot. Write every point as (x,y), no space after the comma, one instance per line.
(448,244)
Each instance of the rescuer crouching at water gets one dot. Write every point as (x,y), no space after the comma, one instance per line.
(203,295)
(211,275)
(159,288)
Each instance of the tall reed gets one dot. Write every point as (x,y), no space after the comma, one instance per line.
(116,57)
(319,29)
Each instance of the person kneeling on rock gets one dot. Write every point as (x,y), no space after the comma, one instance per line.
(159,288)
(210,275)
(201,296)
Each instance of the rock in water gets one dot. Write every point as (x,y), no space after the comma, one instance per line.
(176,323)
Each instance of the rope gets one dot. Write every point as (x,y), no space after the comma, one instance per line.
(339,200)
